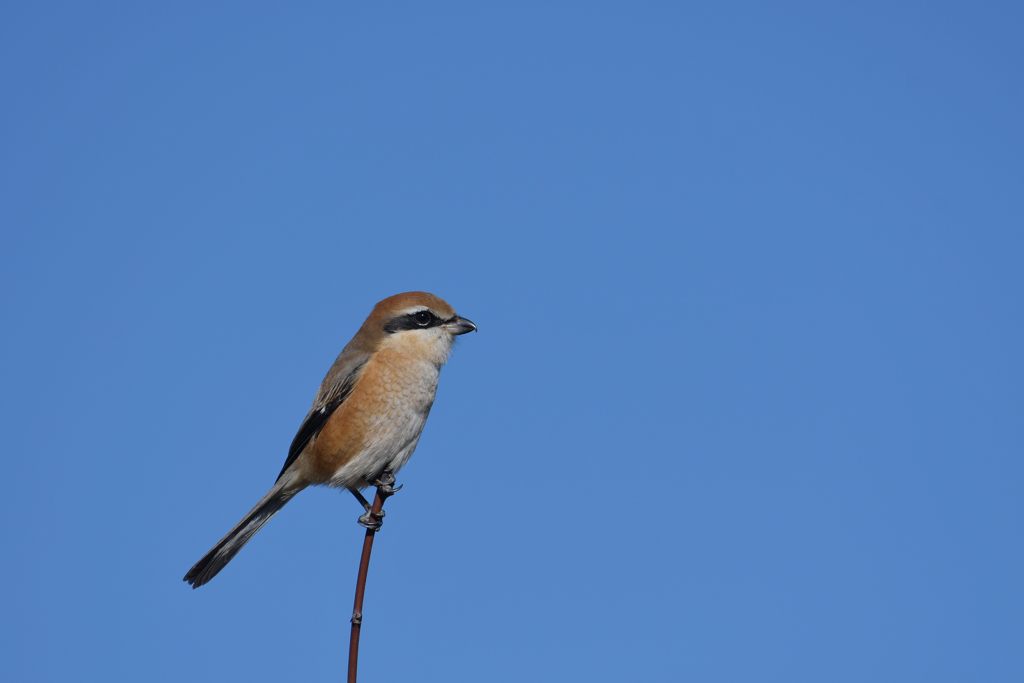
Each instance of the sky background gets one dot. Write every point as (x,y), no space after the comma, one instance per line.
(746,400)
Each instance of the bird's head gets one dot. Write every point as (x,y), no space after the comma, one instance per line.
(417,323)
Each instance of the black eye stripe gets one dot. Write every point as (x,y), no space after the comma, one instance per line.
(419,320)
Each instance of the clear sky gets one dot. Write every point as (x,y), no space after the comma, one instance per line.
(746,400)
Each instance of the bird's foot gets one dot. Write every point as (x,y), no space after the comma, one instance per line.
(386,485)
(371,521)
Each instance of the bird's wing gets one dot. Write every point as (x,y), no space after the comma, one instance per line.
(336,387)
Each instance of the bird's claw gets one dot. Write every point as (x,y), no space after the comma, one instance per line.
(386,485)
(371,521)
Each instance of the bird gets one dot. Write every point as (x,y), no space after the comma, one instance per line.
(366,418)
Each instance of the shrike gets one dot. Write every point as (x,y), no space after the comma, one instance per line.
(367,416)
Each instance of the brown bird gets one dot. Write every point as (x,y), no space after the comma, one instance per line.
(367,416)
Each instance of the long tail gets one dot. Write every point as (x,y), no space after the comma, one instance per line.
(227,547)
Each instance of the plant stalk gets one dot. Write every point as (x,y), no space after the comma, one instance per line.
(376,513)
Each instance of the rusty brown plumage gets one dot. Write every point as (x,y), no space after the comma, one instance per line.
(367,415)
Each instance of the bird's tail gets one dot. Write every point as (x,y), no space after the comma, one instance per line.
(227,547)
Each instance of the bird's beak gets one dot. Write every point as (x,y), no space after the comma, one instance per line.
(459,325)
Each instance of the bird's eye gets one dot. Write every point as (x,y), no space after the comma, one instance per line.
(423,318)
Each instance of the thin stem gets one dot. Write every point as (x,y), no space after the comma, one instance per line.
(364,568)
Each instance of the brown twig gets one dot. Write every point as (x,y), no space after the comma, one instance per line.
(376,513)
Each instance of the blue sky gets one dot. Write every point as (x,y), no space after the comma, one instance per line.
(745,403)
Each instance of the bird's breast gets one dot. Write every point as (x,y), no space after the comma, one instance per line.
(379,421)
